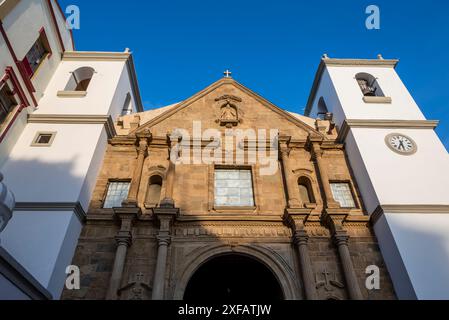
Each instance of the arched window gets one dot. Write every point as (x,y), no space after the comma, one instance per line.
(127,106)
(305,190)
(154,191)
(368,85)
(80,79)
(323,112)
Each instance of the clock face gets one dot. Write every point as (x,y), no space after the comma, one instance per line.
(401,144)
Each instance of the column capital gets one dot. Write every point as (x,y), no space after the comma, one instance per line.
(341,238)
(284,142)
(163,240)
(314,138)
(334,220)
(124,238)
(144,134)
(300,237)
(127,213)
(296,218)
(165,216)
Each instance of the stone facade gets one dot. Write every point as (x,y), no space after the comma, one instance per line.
(315,249)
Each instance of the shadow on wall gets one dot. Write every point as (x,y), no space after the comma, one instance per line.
(34,180)
(423,243)
(44,229)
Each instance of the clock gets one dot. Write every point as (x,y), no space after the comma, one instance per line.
(401,144)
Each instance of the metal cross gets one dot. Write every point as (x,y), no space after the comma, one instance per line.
(227,74)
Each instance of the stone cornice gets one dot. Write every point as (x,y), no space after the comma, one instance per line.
(392,63)
(76,119)
(386,124)
(95,56)
(229,217)
(408,209)
(343,63)
(53,206)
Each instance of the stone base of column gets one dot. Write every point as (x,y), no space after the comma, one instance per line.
(167,203)
(130,204)
(333,205)
(296,211)
(132,212)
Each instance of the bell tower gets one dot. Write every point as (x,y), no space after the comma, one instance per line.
(400,164)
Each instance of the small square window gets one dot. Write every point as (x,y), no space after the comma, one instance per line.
(233,188)
(43,139)
(342,194)
(117,193)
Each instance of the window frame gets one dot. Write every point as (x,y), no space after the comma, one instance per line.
(308,184)
(48,53)
(147,204)
(221,208)
(105,195)
(351,190)
(35,142)
(14,105)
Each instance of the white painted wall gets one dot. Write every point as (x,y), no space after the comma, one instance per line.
(422,178)
(402,107)
(22,26)
(423,242)
(56,173)
(415,247)
(327,90)
(12,136)
(345,99)
(9,291)
(399,275)
(100,93)
(65,33)
(44,244)
(118,101)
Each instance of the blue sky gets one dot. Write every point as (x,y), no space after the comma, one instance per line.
(272,47)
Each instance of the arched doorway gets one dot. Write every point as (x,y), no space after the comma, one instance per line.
(233,277)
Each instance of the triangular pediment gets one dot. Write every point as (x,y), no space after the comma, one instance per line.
(228,104)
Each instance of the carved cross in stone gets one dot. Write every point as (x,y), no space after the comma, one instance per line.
(328,283)
(139,277)
(227,74)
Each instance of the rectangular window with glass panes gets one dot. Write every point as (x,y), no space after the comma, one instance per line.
(342,194)
(116,194)
(233,188)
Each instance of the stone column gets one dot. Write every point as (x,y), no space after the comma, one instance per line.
(351,279)
(161,265)
(170,181)
(341,239)
(165,216)
(322,172)
(301,238)
(142,152)
(292,192)
(124,241)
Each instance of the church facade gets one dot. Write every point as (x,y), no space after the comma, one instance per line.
(223,196)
